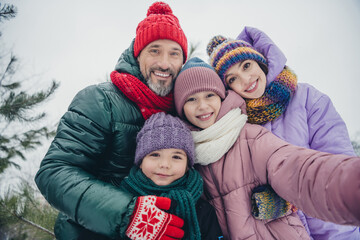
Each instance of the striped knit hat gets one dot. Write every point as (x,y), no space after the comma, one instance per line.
(160,23)
(224,53)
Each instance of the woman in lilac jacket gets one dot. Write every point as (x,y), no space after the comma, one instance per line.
(296,112)
(234,157)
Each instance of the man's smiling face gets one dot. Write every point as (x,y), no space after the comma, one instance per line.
(160,62)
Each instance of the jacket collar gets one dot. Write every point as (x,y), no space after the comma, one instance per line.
(231,101)
(127,63)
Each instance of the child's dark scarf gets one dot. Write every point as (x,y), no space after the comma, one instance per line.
(275,99)
(138,92)
(185,191)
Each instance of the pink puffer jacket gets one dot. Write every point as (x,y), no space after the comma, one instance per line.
(328,190)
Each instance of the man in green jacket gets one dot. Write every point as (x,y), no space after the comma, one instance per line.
(94,147)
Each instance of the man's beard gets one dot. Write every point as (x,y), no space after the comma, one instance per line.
(159,88)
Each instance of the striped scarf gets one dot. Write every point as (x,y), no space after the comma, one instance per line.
(275,99)
(185,191)
(138,92)
(266,204)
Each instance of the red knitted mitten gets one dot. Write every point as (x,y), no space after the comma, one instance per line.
(148,221)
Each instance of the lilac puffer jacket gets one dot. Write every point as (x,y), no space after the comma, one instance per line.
(310,121)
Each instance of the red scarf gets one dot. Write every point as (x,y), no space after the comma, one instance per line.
(147,101)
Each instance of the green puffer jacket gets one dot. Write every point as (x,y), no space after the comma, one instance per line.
(92,152)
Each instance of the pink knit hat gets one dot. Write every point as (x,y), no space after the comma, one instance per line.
(196,76)
(160,23)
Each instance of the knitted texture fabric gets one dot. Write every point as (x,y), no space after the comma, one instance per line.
(267,205)
(163,131)
(147,101)
(149,220)
(195,76)
(224,53)
(215,141)
(160,23)
(275,99)
(185,192)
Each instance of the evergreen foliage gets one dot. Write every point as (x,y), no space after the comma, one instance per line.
(356,146)
(24,214)
(16,108)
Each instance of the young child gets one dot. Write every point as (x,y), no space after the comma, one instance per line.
(235,157)
(296,112)
(164,172)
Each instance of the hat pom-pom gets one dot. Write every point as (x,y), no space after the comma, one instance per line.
(159,8)
(214,42)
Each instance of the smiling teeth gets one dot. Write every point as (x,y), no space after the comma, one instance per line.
(206,116)
(161,74)
(251,87)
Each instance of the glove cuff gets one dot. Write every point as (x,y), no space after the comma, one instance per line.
(126,218)
(148,221)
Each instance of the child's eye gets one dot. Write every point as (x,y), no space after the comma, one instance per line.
(177,157)
(210,95)
(154,155)
(190,99)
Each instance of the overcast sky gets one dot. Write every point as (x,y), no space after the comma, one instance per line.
(78,42)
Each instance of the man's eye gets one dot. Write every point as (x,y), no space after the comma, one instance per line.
(175,54)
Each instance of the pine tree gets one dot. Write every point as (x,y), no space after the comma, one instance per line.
(24,216)
(356,144)
(15,106)
(193,50)
(23,213)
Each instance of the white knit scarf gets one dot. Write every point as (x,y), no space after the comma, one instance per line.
(213,142)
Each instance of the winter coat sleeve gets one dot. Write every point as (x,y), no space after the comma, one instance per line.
(323,185)
(321,230)
(327,130)
(67,175)
(323,120)
(263,44)
(327,133)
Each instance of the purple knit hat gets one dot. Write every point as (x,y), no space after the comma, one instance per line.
(162,131)
(196,76)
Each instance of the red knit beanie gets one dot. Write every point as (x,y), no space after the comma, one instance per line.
(160,23)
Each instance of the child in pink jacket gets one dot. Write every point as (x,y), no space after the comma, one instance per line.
(235,157)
